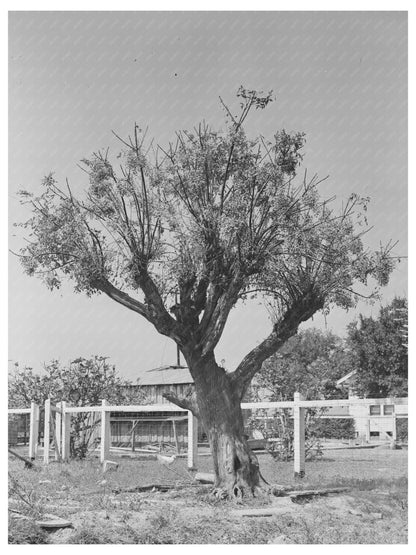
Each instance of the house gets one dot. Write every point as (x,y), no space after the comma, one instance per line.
(378,419)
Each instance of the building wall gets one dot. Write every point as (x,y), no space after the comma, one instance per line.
(378,420)
(154,393)
(149,433)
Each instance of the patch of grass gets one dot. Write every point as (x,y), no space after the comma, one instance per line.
(86,535)
(163,518)
(377,480)
(22,531)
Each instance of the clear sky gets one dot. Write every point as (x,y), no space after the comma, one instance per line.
(341,77)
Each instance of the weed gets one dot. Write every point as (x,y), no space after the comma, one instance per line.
(22,531)
(163,518)
(86,535)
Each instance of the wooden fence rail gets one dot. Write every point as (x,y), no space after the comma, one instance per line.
(58,419)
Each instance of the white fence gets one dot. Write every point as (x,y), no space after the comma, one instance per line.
(58,418)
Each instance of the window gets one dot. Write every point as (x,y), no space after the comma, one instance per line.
(388,409)
(374,434)
(375,410)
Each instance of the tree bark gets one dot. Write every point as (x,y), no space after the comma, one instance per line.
(236,467)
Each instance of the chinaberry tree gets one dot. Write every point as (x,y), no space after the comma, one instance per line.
(180,235)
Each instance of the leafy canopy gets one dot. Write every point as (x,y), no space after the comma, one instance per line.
(379,352)
(81,383)
(180,234)
(309,362)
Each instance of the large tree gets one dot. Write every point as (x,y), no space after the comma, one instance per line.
(378,348)
(180,235)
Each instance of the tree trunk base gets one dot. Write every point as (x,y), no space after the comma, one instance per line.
(239,493)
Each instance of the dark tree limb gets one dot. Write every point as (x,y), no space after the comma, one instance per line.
(154,310)
(187,403)
(300,311)
(216,314)
(123,298)
(28,463)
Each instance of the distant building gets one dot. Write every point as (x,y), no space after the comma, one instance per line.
(376,420)
(159,428)
(173,378)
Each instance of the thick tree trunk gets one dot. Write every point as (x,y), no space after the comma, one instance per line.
(235,465)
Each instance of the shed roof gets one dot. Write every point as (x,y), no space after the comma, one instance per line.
(166,375)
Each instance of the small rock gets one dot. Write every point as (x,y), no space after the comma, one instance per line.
(45,481)
(356,513)
(278,490)
(279,539)
(64,488)
(375,516)
(109,465)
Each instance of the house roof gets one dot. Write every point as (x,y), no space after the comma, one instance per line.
(166,375)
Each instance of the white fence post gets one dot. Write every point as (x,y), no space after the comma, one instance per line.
(66,432)
(105,432)
(58,433)
(367,431)
(394,427)
(299,436)
(192,441)
(34,430)
(47,431)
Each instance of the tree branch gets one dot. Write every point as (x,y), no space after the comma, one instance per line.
(300,311)
(188,403)
(123,298)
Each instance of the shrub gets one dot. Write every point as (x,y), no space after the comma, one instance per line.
(81,383)
(278,432)
(333,428)
(402,429)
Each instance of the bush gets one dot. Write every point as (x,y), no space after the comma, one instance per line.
(278,432)
(333,428)
(402,429)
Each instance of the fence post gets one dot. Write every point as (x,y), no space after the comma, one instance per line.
(66,432)
(367,431)
(47,431)
(394,427)
(192,441)
(133,438)
(34,430)
(58,433)
(105,432)
(299,436)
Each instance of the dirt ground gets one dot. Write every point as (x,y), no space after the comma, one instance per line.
(373,510)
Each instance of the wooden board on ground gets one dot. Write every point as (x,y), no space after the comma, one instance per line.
(52,522)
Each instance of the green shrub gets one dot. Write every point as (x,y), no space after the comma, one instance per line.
(333,428)
(402,429)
